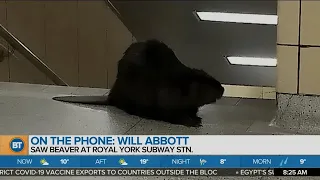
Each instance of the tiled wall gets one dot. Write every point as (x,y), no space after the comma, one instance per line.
(79,40)
(298,47)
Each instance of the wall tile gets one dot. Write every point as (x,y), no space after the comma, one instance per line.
(4,65)
(25,20)
(288,22)
(310,26)
(118,40)
(92,40)
(287,69)
(309,71)
(80,41)
(61,39)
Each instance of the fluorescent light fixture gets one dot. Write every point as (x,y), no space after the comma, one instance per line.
(252,61)
(238,18)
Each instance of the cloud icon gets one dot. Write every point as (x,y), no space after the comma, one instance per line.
(44,162)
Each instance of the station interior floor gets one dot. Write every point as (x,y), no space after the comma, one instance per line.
(29,109)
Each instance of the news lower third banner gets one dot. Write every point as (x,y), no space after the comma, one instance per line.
(160,145)
(170,151)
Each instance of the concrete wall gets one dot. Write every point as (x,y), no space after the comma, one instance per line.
(79,40)
(298,49)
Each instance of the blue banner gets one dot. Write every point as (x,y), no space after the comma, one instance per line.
(160,161)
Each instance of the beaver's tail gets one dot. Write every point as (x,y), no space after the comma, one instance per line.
(93,100)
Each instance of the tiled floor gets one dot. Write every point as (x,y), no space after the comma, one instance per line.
(29,109)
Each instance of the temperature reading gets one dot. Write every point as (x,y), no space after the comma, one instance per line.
(222,161)
(144,161)
(64,161)
(302,161)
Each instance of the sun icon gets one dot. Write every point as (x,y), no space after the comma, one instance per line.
(123,162)
(42,161)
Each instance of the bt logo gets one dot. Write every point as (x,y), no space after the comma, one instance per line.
(16,145)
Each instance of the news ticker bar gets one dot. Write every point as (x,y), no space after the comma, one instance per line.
(157,172)
(159,161)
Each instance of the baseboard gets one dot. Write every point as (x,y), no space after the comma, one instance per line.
(256,92)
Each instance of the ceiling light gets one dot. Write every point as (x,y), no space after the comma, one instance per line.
(252,61)
(238,18)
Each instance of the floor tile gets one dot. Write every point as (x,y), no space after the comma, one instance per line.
(151,127)
(215,113)
(235,115)
(90,91)
(24,115)
(21,87)
(228,101)
(60,90)
(253,113)
(265,128)
(261,103)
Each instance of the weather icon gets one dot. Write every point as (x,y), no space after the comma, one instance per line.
(123,162)
(202,162)
(43,162)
